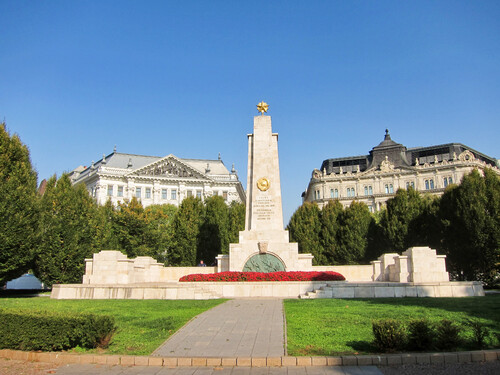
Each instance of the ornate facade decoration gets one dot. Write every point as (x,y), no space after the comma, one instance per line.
(157,180)
(375,178)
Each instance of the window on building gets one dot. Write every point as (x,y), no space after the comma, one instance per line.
(189,193)
(366,190)
(120,191)
(391,189)
(370,208)
(198,194)
(164,194)
(316,194)
(332,194)
(431,182)
(224,195)
(410,183)
(336,193)
(137,192)
(173,194)
(370,190)
(110,190)
(351,192)
(450,180)
(386,188)
(148,193)
(445,181)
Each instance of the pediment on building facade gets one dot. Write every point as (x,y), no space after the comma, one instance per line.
(169,166)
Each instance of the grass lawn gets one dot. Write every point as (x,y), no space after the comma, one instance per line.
(341,326)
(142,324)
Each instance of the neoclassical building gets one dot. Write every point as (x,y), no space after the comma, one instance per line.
(157,180)
(374,178)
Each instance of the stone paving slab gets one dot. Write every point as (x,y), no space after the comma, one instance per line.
(75,369)
(236,328)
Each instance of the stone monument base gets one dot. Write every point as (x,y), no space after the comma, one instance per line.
(267,289)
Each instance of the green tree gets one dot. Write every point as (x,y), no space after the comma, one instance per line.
(159,230)
(18,207)
(352,235)
(67,234)
(130,229)
(399,220)
(305,228)
(470,216)
(214,230)
(106,226)
(329,229)
(237,212)
(186,226)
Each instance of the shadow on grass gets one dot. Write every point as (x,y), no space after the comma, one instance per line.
(23,293)
(362,346)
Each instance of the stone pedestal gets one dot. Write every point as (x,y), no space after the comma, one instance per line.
(264,245)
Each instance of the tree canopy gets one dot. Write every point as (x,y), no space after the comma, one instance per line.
(18,207)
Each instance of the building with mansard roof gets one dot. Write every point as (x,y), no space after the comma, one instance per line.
(157,180)
(375,178)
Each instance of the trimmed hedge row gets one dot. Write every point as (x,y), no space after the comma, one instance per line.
(50,331)
(392,335)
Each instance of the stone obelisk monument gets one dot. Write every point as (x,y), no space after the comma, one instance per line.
(264,245)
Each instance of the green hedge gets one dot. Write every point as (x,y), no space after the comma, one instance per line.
(44,330)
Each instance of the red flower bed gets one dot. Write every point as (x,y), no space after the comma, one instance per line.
(261,276)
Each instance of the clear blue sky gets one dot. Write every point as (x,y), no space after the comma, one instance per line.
(183,77)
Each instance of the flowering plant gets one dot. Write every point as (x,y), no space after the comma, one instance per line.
(262,276)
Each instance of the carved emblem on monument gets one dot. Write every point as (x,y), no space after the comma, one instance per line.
(263,184)
(262,247)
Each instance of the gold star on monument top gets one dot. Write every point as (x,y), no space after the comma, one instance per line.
(262,107)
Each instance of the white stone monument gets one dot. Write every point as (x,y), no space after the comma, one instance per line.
(264,245)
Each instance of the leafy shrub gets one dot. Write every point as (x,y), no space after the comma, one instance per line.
(390,335)
(420,335)
(265,276)
(43,330)
(479,333)
(447,335)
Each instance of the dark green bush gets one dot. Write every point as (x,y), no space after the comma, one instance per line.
(43,330)
(389,335)
(448,335)
(480,333)
(420,335)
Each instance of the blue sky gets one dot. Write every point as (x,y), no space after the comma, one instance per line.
(183,78)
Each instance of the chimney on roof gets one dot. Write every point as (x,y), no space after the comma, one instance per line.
(207,169)
(129,165)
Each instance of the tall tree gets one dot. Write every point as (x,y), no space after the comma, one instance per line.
(470,216)
(329,229)
(305,228)
(186,226)
(18,207)
(67,234)
(130,228)
(214,230)
(397,219)
(159,230)
(352,235)
(237,213)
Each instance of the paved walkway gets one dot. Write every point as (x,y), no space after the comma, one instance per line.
(153,370)
(236,328)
